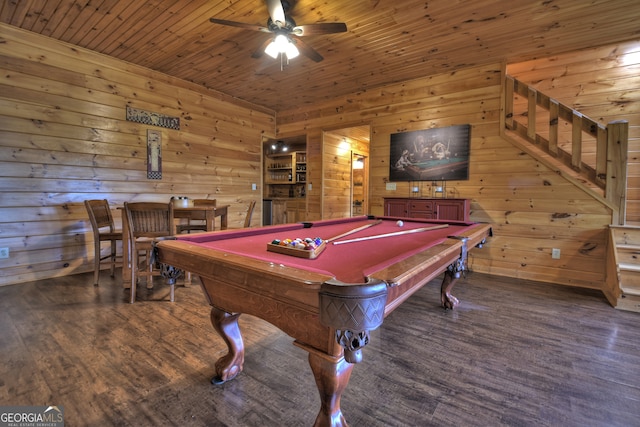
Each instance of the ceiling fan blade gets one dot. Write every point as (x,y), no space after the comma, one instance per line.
(240,25)
(260,51)
(276,12)
(308,51)
(323,28)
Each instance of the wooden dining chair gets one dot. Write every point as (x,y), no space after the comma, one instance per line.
(103,231)
(196,224)
(247,219)
(146,221)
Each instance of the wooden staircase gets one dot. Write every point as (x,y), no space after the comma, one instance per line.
(623,267)
(607,170)
(604,176)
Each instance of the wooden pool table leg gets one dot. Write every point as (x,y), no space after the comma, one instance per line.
(452,274)
(229,365)
(448,301)
(332,376)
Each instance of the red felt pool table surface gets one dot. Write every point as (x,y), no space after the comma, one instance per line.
(349,262)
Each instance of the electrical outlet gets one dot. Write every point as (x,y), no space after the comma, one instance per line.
(555,253)
(391,186)
(254,186)
(4,253)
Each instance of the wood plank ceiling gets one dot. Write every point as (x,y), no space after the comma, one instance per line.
(387,40)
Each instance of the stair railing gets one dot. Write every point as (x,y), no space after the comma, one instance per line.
(609,169)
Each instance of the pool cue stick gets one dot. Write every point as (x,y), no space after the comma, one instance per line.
(355,230)
(396,233)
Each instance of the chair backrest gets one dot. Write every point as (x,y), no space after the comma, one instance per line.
(204,202)
(99,215)
(247,219)
(147,219)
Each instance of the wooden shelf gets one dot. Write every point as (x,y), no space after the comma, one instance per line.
(289,168)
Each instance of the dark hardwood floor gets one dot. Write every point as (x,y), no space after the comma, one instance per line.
(514,353)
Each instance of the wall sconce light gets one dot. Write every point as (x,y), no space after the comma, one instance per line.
(344,147)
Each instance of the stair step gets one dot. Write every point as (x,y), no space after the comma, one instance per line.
(624,266)
(628,247)
(629,303)
(626,235)
(629,285)
(628,256)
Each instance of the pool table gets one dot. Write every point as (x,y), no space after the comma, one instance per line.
(329,303)
(435,169)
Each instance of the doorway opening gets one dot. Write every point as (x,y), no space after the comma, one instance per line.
(345,173)
(359,184)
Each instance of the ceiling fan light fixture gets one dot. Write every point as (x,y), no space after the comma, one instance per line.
(282,44)
(272,50)
(291,50)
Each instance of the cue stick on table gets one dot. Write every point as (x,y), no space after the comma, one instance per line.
(355,230)
(396,233)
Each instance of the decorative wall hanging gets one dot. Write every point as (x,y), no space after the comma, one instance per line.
(440,154)
(155,119)
(154,154)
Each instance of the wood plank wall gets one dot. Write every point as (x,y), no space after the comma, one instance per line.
(532,209)
(602,83)
(64,139)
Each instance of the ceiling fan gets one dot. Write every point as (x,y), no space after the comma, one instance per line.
(284,28)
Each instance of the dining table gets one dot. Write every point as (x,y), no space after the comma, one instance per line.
(208,213)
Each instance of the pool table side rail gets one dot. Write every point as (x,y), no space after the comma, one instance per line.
(408,276)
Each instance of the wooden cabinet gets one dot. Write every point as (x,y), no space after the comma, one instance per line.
(288,168)
(278,212)
(286,211)
(285,175)
(448,209)
(396,207)
(295,210)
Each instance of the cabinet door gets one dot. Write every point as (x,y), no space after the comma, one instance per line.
(395,207)
(279,212)
(456,210)
(295,210)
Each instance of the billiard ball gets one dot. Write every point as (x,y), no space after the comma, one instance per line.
(399,223)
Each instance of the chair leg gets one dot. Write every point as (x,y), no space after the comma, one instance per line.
(134,267)
(149,269)
(113,258)
(96,263)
